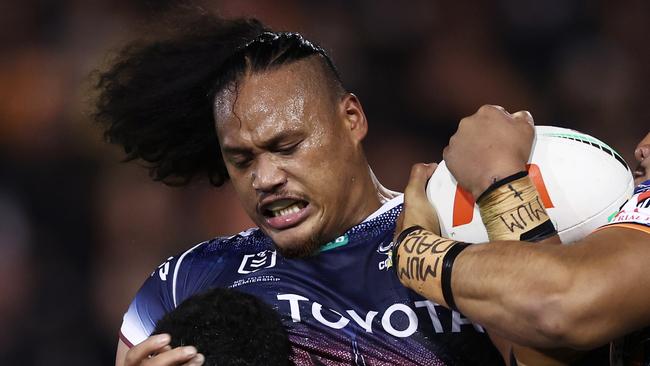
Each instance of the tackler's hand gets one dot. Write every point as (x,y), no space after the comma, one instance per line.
(417,209)
(156,351)
(488,146)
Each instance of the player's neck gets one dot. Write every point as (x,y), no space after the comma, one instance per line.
(383,194)
(370,197)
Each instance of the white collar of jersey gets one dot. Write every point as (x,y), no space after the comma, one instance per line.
(389,205)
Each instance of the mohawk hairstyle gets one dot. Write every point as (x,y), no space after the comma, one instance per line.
(156,100)
(229,328)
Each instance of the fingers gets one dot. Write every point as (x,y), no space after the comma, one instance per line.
(417,209)
(151,345)
(158,345)
(177,356)
(524,116)
(491,108)
(197,360)
(416,188)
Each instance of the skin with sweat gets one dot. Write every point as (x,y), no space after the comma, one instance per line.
(292,147)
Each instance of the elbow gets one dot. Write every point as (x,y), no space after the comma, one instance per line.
(563,320)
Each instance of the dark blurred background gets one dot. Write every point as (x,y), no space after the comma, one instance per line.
(79,231)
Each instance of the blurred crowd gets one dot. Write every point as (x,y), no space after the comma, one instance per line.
(79,231)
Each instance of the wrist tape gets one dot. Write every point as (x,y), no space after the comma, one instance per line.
(512,210)
(425,263)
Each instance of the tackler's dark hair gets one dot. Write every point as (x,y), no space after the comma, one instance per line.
(156,98)
(229,328)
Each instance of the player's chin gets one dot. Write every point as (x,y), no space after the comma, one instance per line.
(292,243)
(298,251)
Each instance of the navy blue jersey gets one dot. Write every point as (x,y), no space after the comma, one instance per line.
(344,305)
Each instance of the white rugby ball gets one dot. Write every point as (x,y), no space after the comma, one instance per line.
(582,183)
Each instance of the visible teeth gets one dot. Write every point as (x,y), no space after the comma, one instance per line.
(287,210)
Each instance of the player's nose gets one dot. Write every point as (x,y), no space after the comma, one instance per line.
(642,151)
(267,175)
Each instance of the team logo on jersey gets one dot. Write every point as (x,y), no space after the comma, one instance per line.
(254,262)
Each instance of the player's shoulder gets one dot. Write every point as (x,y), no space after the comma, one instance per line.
(220,248)
(388,211)
(205,261)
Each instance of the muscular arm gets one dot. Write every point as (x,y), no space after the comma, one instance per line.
(542,295)
(580,295)
(537,294)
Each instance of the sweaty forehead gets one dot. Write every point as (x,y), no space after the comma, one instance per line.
(261,103)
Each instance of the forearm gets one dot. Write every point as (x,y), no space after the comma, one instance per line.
(497,285)
(511,196)
(578,296)
(511,287)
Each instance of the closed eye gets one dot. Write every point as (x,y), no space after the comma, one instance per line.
(240,161)
(288,149)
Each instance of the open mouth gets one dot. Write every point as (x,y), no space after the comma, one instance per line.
(285,213)
(283,207)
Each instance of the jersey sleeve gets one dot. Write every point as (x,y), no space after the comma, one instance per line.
(635,213)
(168,285)
(154,299)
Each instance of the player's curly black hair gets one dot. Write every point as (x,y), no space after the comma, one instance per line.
(156,99)
(229,328)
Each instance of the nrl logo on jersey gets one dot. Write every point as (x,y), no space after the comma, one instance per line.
(386,249)
(254,262)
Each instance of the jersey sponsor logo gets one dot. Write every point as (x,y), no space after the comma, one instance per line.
(254,262)
(632,217)
(463,211)
(399,320)
(635,210)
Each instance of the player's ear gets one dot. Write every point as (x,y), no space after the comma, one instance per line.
(353,116)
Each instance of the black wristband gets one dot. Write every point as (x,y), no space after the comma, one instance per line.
(400,239)
(539,233)
(445,277)
(501,182)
